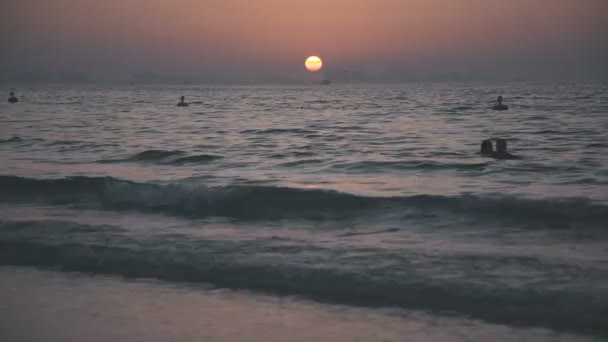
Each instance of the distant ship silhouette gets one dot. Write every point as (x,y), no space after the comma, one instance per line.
(325,82)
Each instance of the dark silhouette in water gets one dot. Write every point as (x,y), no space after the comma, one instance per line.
(501,150)
(486,148)
(499,105)
(13,98)
(182,103)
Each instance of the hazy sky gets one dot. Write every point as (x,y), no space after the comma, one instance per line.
(269,39)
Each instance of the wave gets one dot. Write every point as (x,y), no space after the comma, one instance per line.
(195,159)
(269,202)
(53,143)
(224,264)
(296,154)
(382,231)
(595,145)
(336,101)
(175,157)
(408,165)
(154,155)
(180,198)
(44,228)
(78,142)
(459,108)
(549,131)
(47,103)
(278,131)
(586,180)
(301,162)
(11,140)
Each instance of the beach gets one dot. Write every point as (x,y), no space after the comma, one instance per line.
(75,307)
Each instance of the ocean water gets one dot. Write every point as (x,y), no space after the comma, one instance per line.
(371,197)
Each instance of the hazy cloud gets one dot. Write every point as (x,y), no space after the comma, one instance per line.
(268,40)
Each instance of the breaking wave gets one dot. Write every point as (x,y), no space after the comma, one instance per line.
(176,157)
(223,264)
(267,202)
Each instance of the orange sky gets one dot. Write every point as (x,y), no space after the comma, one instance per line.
(257,37)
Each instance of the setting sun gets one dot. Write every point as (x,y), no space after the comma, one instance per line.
(433,156)
(313,63)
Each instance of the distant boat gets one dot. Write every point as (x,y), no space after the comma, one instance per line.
(325,82)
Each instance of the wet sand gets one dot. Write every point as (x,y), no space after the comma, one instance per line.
(51,306)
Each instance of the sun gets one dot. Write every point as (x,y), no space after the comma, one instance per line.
(313,63)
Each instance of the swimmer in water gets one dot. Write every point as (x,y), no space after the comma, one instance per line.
(501,150)
(499,105)
(487,149)
(182,103)
(13,98)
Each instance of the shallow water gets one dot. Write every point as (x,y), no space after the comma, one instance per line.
(366,196)
(51,307)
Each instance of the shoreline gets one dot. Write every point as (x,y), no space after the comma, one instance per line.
(56,306)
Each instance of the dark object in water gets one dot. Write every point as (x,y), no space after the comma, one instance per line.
(487,149)
(182,103)
(325,82)
(501,150)
(13,98)
(503,155)
(499,105)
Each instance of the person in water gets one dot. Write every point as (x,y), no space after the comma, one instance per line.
(501,150)
(500,105)
(182,103)
(486,148)
(13,98)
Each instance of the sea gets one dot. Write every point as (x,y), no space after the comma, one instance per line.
(304,213)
